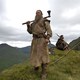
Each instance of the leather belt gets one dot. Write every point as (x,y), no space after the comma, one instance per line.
(38,36)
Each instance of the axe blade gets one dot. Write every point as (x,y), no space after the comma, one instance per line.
(49,11)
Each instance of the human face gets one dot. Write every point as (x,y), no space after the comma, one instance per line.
(38,13)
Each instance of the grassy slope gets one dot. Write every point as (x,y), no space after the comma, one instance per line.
(68,68)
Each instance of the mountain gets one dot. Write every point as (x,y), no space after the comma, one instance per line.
(67,68)
(50,45)
(10,56)
(51,48)
(26,50)
(75,43)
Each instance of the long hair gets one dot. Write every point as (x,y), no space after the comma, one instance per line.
(37,18)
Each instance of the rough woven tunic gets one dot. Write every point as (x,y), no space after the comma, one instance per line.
(39,47)
(39,52)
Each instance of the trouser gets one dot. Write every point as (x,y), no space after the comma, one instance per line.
(43,71)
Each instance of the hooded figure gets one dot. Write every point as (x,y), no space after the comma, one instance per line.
(61,44)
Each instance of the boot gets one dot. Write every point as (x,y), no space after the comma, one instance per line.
(44,72)
(36,70)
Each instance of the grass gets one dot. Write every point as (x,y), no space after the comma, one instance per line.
(68,68)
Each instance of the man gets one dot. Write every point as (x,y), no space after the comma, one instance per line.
(61,44)
(41,31)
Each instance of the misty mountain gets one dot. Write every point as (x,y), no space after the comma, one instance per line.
(75,43)
(26,49)
(50,45)
(10,56)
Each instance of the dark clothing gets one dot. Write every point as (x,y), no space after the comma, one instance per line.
(61,44)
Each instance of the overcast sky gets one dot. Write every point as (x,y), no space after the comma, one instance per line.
(65,19)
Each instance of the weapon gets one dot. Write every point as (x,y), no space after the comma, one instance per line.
(57,34)
(49,12)
(44,18)
(64,41)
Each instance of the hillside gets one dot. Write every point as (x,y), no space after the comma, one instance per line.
(75,42)
(10,56)
(68,68)
(25,50)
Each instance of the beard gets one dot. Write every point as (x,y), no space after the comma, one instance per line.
(37,18)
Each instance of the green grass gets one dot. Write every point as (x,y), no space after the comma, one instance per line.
(67,68)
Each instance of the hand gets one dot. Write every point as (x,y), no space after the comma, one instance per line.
(47,40)
(28,22)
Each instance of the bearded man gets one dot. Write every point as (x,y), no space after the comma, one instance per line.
(41,31)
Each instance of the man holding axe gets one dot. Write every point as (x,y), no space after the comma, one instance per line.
(41,31)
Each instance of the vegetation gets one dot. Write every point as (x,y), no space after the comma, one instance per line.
(75,43)
(10,56)
(67,68)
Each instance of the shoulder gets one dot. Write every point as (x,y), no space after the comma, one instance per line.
(46,20)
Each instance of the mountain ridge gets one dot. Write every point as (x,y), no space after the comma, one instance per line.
(75,43)
(10,55)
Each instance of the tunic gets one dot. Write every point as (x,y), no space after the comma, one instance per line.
(39,48)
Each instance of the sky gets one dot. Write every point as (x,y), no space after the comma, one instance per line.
(65,19)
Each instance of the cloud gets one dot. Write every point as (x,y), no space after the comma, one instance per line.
(60,7)
(13,34)
(1,6)
(65,18)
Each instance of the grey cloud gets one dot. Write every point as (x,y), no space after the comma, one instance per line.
(61,25)
(15,37)
(61,4)
(68,38)
(75,20)
(2,6)
(58,6)
(6,30)
(8,33)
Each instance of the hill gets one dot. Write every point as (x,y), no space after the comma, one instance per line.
(25,50)
(10,56)
(67,68)
(75,42)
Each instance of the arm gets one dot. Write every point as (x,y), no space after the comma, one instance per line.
(48,29)
(29,28)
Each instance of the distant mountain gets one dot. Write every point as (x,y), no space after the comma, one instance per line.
(26,49)
(75,43)
(10,56)
(50,45)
